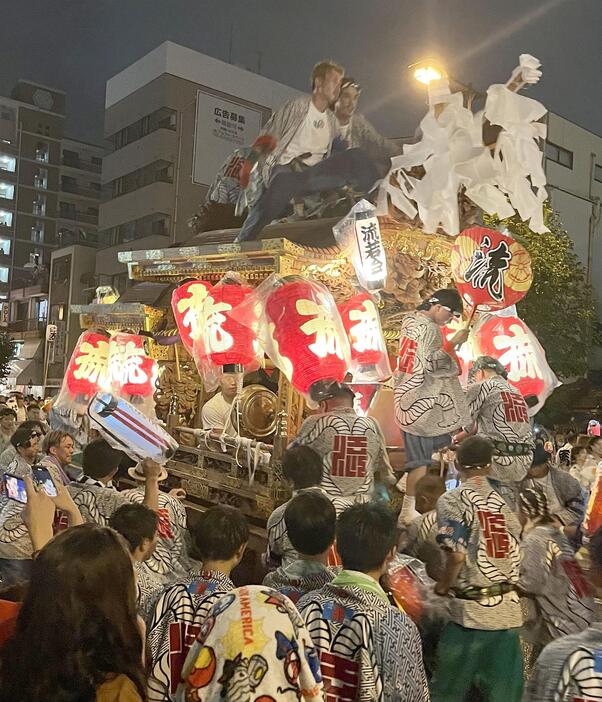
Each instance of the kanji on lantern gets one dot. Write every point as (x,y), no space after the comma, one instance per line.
(132,371)
(187,303)
(491,270)
(307,340)
(87,371)
(513,344)
(369,360)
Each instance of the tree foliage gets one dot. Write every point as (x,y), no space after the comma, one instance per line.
(560,305)
(7,352)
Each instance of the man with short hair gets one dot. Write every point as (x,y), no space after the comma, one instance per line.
(20,407)
(302,132)
(94,492)
(216,411)
(480,536)
(563,492)
(220,535)
(310,524)
(8,424)
(357,132)
(10,452)
(138,526)
(429,402)
(302,467)
(352,449)
(58,447)
(368,648)
(569,668)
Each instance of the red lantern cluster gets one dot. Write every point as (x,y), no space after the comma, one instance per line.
(229,341)
(132,372)
(361,322)
(307,335)
(187,303)
(88,367)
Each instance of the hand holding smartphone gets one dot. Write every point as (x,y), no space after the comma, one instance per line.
(15,486)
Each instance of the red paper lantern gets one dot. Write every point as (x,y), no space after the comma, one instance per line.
(361,322)
(131,370)
(491,270)
(308,336)
(88,367)
(508,339)
(187,302)
(229,342)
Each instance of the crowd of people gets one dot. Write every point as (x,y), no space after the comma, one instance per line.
(113,595)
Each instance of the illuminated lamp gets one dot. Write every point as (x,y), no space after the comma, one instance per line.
(87,371)
(132,371)
(187,302)
(362,324)
(230,343)
(307,332)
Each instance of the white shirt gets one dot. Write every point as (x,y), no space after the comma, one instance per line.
(345,130)
(216,413)
(313,136)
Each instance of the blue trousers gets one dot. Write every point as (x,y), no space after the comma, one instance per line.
(352,167)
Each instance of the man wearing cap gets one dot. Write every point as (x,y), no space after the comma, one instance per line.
(352,449)
(499,412)
(356,132)
(429,402)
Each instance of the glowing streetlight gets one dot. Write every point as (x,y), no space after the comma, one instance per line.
(427,71)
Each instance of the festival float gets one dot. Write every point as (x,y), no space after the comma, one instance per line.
(316,302)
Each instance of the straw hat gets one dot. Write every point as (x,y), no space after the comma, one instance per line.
(136,473)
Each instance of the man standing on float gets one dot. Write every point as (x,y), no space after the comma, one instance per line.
(429,402)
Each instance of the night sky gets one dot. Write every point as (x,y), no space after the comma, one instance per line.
(76,45)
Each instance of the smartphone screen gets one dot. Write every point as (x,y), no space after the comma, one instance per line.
(15,488)
(42,477)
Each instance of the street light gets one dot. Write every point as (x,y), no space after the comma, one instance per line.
(427,71)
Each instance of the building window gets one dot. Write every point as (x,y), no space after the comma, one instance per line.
(42,151)
(163,118)
(7,190)
(5,246)
(67,210)
(158,171)
(3,274)
(39,205)
(40,179)
(8,163)
(6,218)
(96,161)
(42,310)
(598,173)
(69,184)
(559,155)
(37,232)
(71,158)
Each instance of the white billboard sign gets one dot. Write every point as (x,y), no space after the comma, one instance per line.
(221,126)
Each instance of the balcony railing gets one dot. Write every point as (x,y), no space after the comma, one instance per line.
(75,216)
(82,164)
(26,325)
(78,190)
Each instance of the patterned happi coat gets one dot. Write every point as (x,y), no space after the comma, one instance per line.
(299,577)
(369,651)
(352,449)
(568,669)
(501,415)
(429,400)
(178,615)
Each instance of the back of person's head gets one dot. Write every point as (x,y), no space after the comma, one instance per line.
(100,460)
(310,520)
(341,394)
(428,490)
(365,535)
(136,523)
(23,435)
(302,466)
(35,424)
(474,452)
(220,533)
(7,412)
(53,439)
(78,623)
(540,456)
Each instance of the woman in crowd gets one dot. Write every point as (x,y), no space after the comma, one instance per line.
(77,637)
